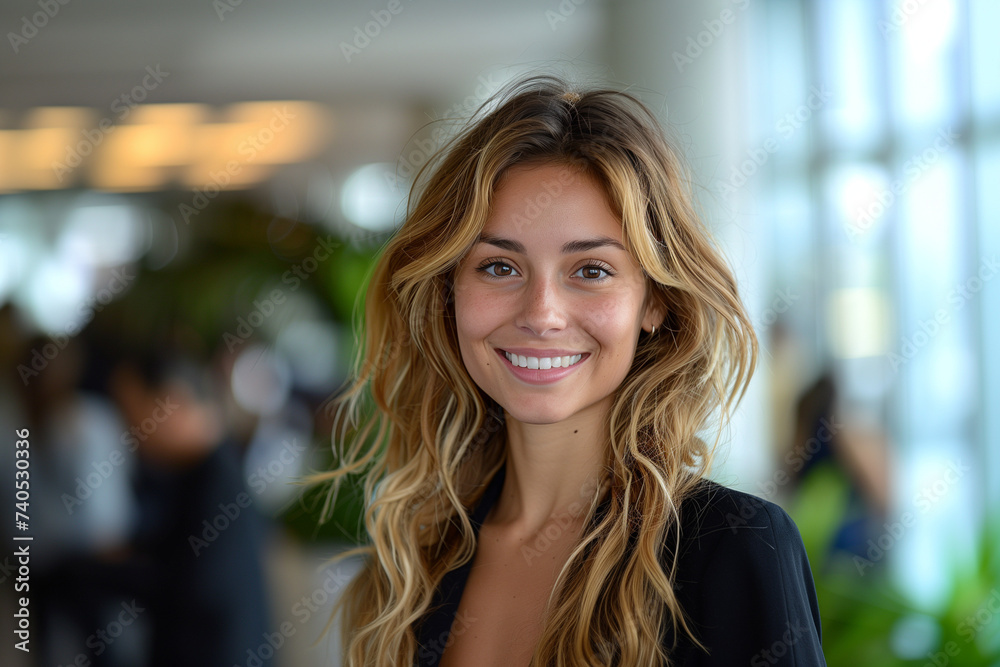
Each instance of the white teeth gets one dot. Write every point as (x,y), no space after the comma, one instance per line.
(542,363)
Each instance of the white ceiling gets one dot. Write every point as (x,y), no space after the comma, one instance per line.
(428,57)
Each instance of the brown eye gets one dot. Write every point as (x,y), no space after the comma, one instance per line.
(500,269)
(592,272)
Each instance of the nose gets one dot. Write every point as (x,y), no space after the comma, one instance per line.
(543,307)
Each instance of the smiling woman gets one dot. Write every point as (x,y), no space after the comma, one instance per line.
(565,291)
(544,338)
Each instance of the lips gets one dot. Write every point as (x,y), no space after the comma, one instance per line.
(539,375)
(542,362)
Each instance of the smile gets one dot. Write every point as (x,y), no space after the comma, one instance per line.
(542,363)
(542,370)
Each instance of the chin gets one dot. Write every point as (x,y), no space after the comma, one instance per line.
(534,413)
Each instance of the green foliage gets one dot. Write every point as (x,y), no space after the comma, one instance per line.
(862,609)
(345,522)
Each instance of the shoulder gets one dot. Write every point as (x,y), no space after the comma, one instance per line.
(743,579)
(734,537)
(716,515)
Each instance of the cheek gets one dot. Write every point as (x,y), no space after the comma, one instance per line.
(613,323)
(473,313)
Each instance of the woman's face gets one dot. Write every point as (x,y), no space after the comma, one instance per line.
(550,281)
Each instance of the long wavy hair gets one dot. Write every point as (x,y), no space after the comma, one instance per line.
(427,439)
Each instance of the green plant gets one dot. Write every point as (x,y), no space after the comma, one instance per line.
(868,620)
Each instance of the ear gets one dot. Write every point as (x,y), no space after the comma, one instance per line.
(654,315)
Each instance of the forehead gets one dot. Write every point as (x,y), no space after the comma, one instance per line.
(551,200)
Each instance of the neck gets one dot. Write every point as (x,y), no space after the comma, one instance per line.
(552,471)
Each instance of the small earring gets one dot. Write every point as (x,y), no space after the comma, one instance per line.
(653,330)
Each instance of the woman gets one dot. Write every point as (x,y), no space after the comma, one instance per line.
(544,338)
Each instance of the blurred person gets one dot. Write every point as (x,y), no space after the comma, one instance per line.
(201,534)
(79,505)
(544,337)
(185,585)
(826,436)
(82,507)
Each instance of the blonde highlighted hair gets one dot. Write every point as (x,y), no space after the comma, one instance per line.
(427,439)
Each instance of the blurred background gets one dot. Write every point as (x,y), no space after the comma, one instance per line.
(191,194)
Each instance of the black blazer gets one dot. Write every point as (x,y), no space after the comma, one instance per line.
(743,580)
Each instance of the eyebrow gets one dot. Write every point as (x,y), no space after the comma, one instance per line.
(569,247)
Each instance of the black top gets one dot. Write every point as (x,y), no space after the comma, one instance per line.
(743,580)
